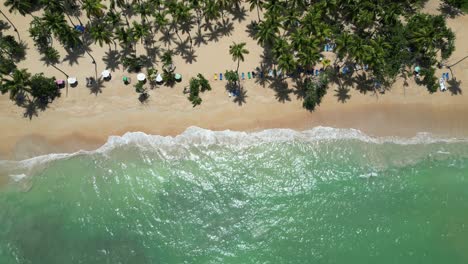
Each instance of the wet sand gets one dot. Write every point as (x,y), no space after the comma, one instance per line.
(84,120)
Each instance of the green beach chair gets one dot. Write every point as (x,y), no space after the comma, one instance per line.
(249,75)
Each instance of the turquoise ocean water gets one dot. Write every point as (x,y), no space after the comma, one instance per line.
(278,196)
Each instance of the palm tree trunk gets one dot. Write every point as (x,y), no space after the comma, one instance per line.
(258,14)
(237,72)
(177,33)
(66,75)
(69,18)
(94,62)
(13,25)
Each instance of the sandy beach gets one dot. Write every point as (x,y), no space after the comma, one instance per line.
(81,119)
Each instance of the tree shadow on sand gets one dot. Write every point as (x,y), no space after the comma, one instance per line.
(260,73)
(168,38)
(449,11)
(185,51)
(112,59)
(189,56)
(342,94)
(241,96)
(32,107)
(281,89)
(96,86)
(239,14)
(73,55)
(200,39)
(153,53)
(222,28)
(300,89)
(454,86)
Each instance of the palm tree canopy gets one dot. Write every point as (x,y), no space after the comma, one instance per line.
(237,51)
(93,8)
(21,6)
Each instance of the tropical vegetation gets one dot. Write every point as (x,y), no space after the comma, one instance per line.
(359,43)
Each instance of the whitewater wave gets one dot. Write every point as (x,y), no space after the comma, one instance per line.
(199,137)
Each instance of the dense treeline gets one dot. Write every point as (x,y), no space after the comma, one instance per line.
(367,43)
(375,41)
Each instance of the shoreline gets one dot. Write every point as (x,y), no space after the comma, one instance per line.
(81,119)
(375,120)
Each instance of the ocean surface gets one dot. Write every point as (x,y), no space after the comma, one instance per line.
(277,196)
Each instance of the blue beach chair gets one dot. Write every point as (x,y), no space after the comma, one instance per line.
(220,76)
(243,76)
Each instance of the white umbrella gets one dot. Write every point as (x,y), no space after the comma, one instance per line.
(141,77)
(159,78)
(105,74)
(71,80)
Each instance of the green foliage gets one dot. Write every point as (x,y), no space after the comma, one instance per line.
(429,79)
(195,86)
(15,51)
(6,65)
(204,83)
(43,88)
(133,63)
(315,91)
(167,58)
(389,37)
(140,87)
(231,76)
(461,4)
(169,78)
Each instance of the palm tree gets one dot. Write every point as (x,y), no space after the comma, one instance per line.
(54,22)
(237,52)
(17,84)
(140,31)
(268,31)
(211,10)
(93,8)
(114,18)
(258,4)
(204,84)
(161,21)
(21,6)
(100,33)
(287,63)
(11,23)
(125,37)
(51,58)
(180,14)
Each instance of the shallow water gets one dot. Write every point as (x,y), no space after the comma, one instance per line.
(278,196)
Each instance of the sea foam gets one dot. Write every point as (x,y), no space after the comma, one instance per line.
(195,136)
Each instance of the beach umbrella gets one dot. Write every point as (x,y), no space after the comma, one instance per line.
(71,80)
(178,77)
(141,77)
(106,74)
(159,78)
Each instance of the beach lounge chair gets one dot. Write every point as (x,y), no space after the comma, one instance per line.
(243,76)
(220,76)
(270,73)
(317,72)
(249,76)
(442,85)
(262,75)
(216,76)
